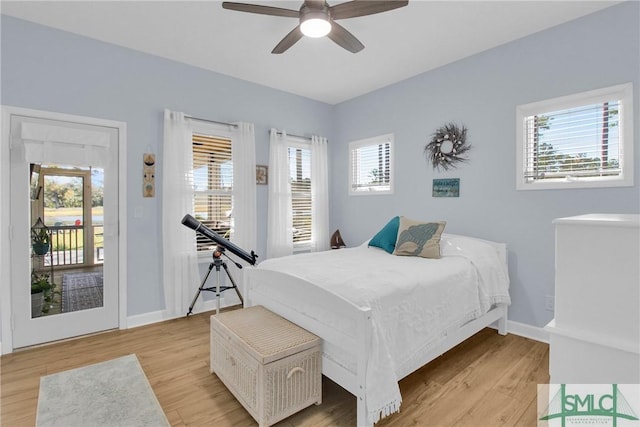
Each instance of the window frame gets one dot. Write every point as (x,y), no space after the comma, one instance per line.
(623,93)
(301,143)
(374,141)
(216,130)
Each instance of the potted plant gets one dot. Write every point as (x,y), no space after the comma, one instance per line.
(40,240)
(42,290)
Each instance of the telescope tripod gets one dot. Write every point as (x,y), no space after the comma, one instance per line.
(217,263)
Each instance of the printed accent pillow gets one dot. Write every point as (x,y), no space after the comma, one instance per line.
(417,238)
(386,238)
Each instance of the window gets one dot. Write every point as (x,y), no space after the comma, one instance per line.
(577,141)
(371,165)
(212,185)
(300,178)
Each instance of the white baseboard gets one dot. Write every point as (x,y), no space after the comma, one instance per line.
(527,331)
(161,315)
(1,348)
(147,318)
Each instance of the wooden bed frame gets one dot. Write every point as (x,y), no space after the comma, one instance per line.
(283,293)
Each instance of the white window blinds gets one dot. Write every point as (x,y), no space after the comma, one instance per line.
(580,140)
(576,142)
(213,185)
(371,165)
(300,178)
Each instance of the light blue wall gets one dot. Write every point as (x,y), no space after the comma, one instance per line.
(482,92)
(46,69)
(52,70)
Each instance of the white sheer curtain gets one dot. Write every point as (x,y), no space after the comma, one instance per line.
(179,259)
(244,212)
(319,194)
(244,186)
(279,216)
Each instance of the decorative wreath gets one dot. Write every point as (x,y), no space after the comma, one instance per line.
(448,144)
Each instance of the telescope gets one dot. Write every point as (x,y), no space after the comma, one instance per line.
(199,227)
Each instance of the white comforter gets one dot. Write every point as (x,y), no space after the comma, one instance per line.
(414,301)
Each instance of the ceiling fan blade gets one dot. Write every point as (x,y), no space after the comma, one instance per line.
(262,10)
(288,40)
(344,38)
(354,9)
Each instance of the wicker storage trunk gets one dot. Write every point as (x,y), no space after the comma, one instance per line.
(272,366)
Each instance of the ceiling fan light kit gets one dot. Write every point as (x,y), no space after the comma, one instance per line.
(315,24)
(317,19)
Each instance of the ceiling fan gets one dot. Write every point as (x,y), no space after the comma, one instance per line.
(317,19)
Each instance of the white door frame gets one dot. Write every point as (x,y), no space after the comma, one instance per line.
(6,233)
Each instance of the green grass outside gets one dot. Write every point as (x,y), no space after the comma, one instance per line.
(77,212)
(73,239)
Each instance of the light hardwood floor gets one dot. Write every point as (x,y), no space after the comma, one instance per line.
(489,380)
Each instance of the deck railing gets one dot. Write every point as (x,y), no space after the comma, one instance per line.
(67,245)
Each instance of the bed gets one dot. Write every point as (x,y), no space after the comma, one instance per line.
(383,316)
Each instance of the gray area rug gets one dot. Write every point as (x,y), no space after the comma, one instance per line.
(112,393)
(81,291)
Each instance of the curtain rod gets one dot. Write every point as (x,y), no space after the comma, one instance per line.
(210,121)
(234,125)
(295,136)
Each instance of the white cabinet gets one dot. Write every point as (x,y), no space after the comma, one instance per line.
(595,335)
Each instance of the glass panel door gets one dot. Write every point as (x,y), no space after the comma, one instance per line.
(72,210)
(64,184)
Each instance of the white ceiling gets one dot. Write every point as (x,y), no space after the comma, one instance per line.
(398,44)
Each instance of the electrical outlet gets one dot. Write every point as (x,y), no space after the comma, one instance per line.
(549,302)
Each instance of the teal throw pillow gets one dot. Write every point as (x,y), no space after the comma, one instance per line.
(386,238)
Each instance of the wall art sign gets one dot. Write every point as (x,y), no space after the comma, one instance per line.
(448,187)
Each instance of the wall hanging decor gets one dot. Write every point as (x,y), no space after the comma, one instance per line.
(448,187)
(262,174)
(448,144)
(148,175)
